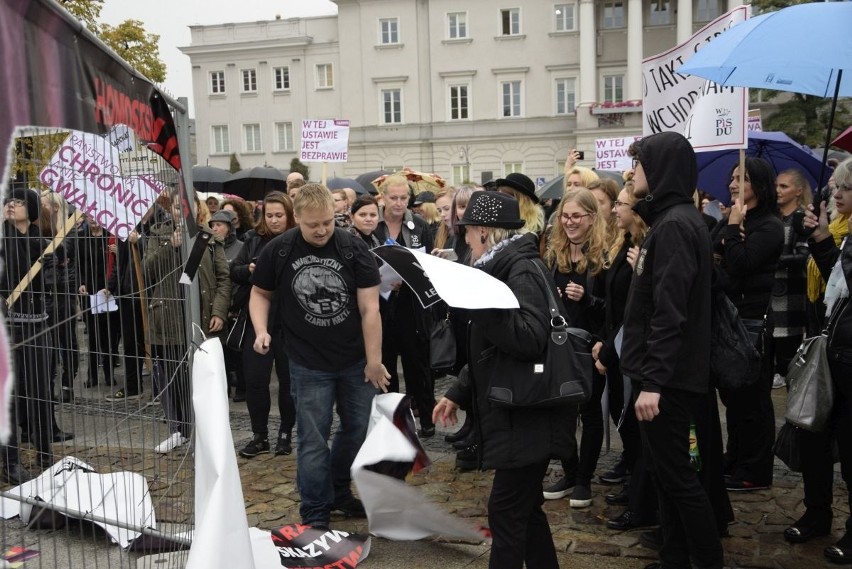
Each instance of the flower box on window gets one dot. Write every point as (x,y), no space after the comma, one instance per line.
(608,108)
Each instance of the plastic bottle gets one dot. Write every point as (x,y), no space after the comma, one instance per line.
(694,455)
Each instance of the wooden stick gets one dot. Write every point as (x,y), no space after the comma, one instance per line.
(70,223)
(137,269)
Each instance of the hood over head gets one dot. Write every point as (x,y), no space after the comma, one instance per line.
(668,161)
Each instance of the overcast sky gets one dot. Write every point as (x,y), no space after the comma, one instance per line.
(171,20)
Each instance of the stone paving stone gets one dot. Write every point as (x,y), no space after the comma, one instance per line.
(596,548)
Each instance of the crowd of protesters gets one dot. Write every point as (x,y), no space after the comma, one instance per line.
(633,263)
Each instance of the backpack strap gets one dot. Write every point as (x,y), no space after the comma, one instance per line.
(343,242)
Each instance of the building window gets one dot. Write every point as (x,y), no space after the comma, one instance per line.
(388,31)
(325,76)
(249,81)
(511,98)
(217,82)
(251,138)
(565,96)
(707,10)
(564,14)
(613,14)
(221,143)
(281,78)
(511,21)
(459,102)
(461,174)
(457,25)
(392,106)
(613,88)
(660,14)
(283,136)
(512,167)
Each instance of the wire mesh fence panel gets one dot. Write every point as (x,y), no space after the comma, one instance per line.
(98,471)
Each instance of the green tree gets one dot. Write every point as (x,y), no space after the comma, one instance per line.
(128,39)
(296,165)
(235,164)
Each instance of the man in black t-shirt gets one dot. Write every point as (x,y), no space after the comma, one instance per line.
(328,296)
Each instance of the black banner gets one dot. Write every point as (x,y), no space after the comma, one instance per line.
(303,546)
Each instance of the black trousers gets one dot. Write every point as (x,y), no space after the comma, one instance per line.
(519,528)
(690,534)
(133,337)
(591,441)
(751,425)
(785,349)
(817,458)
(257,370)
(629,431)
(61,308)
(401,338)
(171,381)
(32,401)
(100,327)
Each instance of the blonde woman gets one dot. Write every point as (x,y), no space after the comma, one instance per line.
(522,189)
(579,177)
(444,236)
(576,254)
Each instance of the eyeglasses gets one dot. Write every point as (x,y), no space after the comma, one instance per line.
(619,204)
(15,202)
(574,218)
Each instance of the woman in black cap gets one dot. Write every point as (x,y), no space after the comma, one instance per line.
(27,320)
(522,189)
(517,443)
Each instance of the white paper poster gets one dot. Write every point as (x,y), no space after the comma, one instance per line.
(611,153)
(710,116)
(324,141)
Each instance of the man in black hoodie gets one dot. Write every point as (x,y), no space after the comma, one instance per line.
(666,348)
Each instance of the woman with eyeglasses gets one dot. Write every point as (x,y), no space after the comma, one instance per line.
(576,253)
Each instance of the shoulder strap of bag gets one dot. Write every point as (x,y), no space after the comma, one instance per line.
(558,325)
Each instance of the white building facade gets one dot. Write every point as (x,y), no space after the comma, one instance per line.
(467,89)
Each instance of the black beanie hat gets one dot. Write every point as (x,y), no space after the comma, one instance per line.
(32,199)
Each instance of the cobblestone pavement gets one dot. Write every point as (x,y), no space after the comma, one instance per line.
(581,535)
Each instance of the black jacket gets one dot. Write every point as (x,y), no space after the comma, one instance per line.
(517,437)
(616,287)
(19,253)
(826,255)
(748,265)
(667,319)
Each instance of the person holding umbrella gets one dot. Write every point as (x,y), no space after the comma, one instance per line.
(516,443)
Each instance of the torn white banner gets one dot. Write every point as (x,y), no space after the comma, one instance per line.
(391,450)
(73,484)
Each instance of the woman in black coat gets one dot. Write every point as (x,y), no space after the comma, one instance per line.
(516,443)
(835,265)
(746,248)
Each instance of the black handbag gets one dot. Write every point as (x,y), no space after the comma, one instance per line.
(734,359)
(810,389)
(237,331)
(788,447)
(442,344)
(561,376)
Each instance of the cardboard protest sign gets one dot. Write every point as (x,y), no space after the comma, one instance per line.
(86,171)
(324,141)
(755,121)
(710,116)
(611,153)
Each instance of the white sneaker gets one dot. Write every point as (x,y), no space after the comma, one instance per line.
(779,381)
(170,443)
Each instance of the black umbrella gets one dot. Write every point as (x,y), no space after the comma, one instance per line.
(255,183)
(208,178)
(341,183)
(551,189)
(366,180)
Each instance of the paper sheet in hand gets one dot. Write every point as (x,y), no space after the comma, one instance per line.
(394,509)
(102,302)
(458,285)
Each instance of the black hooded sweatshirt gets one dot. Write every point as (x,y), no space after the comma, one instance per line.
(667,319)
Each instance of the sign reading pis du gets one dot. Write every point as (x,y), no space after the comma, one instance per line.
(324,141)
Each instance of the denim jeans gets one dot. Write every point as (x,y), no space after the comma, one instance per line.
(322,475)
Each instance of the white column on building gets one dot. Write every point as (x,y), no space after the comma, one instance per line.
(634,50)
(588,53)
(684,20)
(734,3)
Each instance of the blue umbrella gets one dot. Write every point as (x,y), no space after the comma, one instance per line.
(773,51)
(781,151)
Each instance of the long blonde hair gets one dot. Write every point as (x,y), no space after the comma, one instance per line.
(594,258)
(443,233)
(638,223)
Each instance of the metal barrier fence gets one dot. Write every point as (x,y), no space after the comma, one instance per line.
(102,404)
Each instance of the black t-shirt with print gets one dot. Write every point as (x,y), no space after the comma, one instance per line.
(316,291)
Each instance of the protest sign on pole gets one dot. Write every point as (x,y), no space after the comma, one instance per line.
(324,141)
(755,120)
(86,171)
(611,153)
(712,117)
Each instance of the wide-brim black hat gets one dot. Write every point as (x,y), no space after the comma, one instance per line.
(518,181)
(492,209)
